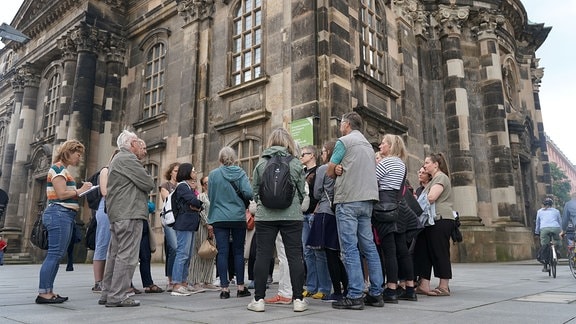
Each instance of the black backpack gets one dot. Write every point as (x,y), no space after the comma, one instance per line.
(91,233)
(276,186)
(93,197)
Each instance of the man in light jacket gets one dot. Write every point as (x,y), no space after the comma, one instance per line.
(127,205)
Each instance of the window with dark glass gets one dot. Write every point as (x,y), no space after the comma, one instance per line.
(248,152)
(154,81)
(373,41)
(51,106)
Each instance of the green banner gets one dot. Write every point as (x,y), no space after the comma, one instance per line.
(302,131)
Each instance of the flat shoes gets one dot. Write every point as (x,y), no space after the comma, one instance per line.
(53,300)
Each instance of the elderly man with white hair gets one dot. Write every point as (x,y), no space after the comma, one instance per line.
(127,205)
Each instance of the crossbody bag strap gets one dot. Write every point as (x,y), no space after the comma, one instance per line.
(402,186)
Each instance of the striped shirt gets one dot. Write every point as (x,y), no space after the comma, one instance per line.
(59,170)
(390,172)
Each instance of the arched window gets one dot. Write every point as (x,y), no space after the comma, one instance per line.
(373,39)
(51,106)
(246,41)
(154,81)
(248,152)
(2,142)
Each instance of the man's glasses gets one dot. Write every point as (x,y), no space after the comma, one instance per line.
(304,154)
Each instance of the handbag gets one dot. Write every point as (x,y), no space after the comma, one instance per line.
(249,220)
(207,249)
(39,235)
(385,211)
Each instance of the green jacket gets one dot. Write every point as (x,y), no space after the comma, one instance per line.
(296,172)
(128,187)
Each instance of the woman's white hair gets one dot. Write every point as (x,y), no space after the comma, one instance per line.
(125,139)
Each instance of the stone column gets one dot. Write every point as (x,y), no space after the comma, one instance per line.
(112,105)
(24,120)
(87,41)
(198,17)
(69,59)
(14,114)
(457,112)
(501,183)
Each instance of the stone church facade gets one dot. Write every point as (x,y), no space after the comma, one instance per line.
(190,76)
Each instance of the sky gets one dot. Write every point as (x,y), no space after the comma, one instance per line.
(557,90)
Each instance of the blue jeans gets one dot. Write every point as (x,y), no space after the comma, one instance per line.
(169,249)
(185,241)
(355,233)
(317,275)
(59,222)
(222,235)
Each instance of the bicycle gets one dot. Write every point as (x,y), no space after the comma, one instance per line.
(572,259)
(552,257)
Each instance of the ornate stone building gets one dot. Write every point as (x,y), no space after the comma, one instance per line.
(191,76)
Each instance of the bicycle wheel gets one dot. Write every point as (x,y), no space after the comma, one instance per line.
(553,261)
(572,262)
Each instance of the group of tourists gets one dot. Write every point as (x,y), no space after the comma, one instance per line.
(326,223)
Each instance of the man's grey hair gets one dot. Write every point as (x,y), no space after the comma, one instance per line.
(125,139)
(227,156)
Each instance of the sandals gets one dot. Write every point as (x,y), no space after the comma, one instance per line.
(439,291)
(153,289)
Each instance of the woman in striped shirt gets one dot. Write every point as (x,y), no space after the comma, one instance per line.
(59,216)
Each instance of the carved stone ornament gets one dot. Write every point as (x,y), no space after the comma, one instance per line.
(115,48)
(450,19)
(488,22)
(87,38)
(17,82)
(190,9)
(29,75)
(117,4)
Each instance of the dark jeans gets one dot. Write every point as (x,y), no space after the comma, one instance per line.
(145,255)
(337,272)
(266,233)
(222,235)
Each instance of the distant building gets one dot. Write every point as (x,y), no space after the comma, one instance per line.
(555,155)
(191,76)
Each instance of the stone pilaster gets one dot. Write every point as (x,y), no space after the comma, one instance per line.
(457,114)
(69,59)
(502,189)
(24,120)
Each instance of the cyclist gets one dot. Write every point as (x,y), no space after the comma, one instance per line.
(569,219)
(548,221)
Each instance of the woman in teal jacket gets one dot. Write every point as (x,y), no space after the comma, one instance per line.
(228,189)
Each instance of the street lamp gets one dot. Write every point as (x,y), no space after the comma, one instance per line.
(11,33)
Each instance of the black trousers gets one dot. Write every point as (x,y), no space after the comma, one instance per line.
(337,272)
(432,250)
(145,256)
(266,233)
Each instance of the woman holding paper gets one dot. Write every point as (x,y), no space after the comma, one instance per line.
(59,216)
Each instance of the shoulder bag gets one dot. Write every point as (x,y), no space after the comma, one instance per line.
(387,212)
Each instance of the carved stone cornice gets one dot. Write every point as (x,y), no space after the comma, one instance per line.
(115,4)
(115,48)
(450,19)
(30,75)
(17,82)
(68,48)
(195,9)
(487,23)
(87,38)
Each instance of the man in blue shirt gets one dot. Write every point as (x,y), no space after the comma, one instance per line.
(569,217)
(548,222)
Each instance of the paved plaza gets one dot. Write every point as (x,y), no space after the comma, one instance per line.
(515,292)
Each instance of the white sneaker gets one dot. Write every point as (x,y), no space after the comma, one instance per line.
(181,291)
(300,305)
(257,306)
(216,282)
(197,288)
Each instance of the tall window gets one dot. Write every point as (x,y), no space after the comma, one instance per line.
(2,142)
(154,78)
(248,154)
(152,169)
(247,41)
(373,41)
(51,107)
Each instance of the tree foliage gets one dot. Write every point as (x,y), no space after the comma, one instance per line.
(560,185)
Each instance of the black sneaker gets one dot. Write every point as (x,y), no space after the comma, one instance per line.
(389,296)
(375,301)
(349,303)
(405,295)
(243,293)
(224,294)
